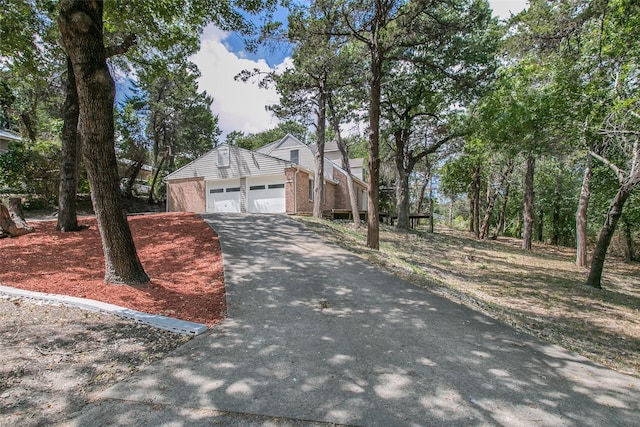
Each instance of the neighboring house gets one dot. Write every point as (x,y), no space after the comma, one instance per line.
(5,138)
(276,178)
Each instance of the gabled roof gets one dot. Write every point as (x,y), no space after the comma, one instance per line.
(243,163)
(287,141)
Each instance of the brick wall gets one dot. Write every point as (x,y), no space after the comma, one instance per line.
(342,191)
(336,195)
(187,195)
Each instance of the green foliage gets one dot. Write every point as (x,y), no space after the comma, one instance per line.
(31,169)
(257,140)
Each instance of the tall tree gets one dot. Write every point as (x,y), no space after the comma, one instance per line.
(81,28)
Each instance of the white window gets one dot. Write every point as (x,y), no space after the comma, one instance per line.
(223,157)
(294,156)
(310,189)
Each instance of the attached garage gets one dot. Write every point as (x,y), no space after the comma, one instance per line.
(224,196)
(266,194)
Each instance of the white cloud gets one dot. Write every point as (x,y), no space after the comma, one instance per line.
(240,106)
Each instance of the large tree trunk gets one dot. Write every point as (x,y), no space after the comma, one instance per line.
(353,197)
(527,235)
(81,31)
(318,187)
(373,221)
(403,169)
(581,216)
(69,170)
(12,222)
(606,234)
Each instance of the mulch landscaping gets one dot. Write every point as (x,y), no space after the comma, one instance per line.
(179,251)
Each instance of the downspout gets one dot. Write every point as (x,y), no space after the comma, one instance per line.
(295,191)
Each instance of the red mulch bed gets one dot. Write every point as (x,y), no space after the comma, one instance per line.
(179,251)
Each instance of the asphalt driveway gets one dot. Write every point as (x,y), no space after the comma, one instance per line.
(315,335)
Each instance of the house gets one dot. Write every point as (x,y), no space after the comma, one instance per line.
(332,152)
(5,138)
(276,178)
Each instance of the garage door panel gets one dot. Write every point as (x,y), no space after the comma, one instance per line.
(224,198)
(267,197)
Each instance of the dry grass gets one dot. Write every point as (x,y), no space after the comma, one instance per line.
(540,292)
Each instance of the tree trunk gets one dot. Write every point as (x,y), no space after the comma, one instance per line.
(401,139)
(81,31)
(373,221)
(318,187)
(70,154)
(431,228)
(503,211)
(132,175)
(527,235)
(606,234)
(472,203)
(476,200)
(629,250)
(451,204)
(154,180)
(581,216)
(540,226)
(423,190)
(12,221)
(491,200)
(353,197)
(402,200)
(555,219)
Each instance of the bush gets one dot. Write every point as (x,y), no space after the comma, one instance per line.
(31,169)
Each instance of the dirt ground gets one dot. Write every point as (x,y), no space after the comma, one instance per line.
(53,357)
(540,292)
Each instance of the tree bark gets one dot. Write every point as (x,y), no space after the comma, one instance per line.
(81,29)
(555,219)
(472,203)
(12,221)
(527,235)
(581,216)
(70,153)
(606,234)
(476,200)
(353,197)
(318,185)
(373,221)
(402,182)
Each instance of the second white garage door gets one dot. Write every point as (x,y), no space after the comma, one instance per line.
(266,196)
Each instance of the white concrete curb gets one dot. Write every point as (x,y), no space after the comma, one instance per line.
(167,323)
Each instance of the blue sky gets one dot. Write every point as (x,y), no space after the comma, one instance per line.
(241,106)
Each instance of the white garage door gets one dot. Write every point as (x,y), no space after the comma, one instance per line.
(267,196)
(223,198)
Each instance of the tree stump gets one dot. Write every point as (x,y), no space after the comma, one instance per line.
(12,222)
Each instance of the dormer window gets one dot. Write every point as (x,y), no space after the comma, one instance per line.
(223,157)
(294,156)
